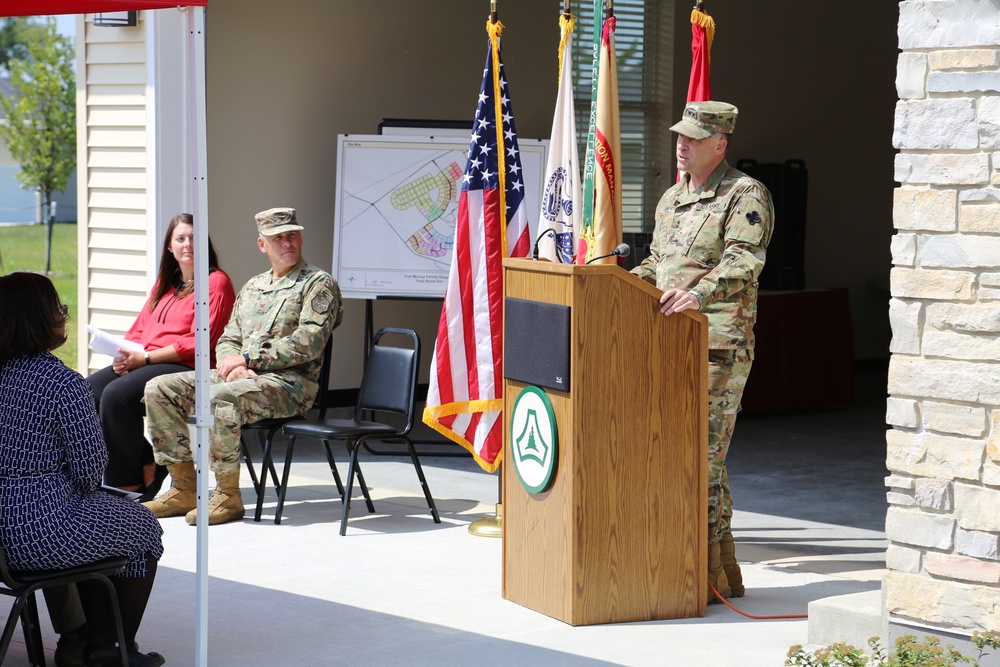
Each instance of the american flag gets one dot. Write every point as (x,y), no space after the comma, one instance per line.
(465,397)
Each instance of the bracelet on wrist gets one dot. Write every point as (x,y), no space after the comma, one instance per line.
(147,358)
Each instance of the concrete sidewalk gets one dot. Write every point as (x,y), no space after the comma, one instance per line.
(399,589)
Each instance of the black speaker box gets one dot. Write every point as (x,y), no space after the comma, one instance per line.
(536,343)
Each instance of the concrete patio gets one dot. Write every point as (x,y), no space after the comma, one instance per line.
(400,590)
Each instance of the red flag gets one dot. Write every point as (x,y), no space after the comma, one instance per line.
(465,396)
(702,34)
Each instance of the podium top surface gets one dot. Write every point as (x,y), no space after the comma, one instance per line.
(615,272)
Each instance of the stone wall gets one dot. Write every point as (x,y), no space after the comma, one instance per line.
(943,522)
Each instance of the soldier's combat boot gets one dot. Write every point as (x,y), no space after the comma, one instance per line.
(716,573)
(731,567)
(225,504)
(180,498)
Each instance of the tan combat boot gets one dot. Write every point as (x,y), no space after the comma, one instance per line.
(731,567)
(180,498)
(225,503)
(716,574)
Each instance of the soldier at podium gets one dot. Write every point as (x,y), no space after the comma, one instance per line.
(707,251)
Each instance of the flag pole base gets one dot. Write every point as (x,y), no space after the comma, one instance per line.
(491,526)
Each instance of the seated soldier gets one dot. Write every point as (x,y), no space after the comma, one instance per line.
(269,360)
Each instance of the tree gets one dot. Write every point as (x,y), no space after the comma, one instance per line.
(41,118)
(16,33)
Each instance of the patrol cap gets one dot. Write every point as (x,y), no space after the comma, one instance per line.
(703,119)
(277,221)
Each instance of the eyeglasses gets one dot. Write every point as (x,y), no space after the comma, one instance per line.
(64,311)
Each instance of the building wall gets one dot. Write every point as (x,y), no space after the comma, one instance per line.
(814,82)
(113,250)
(19,205)
(944,405)
(282,85)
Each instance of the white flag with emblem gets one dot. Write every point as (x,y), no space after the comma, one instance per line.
(560,201)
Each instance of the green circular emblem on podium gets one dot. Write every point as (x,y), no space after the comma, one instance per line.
(533,439)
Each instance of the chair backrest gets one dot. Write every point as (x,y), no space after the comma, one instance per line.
(390,382)
(324,377)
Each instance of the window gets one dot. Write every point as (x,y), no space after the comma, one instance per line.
(644,45)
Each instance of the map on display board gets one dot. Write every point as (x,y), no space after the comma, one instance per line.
(397,203)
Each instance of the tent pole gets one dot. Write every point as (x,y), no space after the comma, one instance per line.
(202,417)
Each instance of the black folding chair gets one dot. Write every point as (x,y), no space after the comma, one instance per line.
(389,385)
(266,429)
(22,586)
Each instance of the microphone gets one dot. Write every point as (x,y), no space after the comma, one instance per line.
(621,251)
(546,232)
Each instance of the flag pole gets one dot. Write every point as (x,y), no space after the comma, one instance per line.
(492,526)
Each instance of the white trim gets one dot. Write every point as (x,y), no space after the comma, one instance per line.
(82,207)
(166,127)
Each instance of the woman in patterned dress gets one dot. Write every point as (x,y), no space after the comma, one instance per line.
(52,456)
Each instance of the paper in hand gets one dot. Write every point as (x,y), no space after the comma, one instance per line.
(105,343)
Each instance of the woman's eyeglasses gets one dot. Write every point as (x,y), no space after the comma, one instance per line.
(64,311)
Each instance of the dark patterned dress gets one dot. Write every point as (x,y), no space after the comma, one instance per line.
(52,458)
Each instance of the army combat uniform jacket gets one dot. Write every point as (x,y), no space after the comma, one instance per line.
(712,244)
(281,327)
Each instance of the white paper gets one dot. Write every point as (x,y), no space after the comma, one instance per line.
(105,343)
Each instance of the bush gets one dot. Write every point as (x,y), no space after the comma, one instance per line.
(908,653)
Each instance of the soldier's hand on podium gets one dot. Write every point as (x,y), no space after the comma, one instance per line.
(676,300)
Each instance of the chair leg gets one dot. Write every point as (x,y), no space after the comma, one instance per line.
(349,487)
(354,451)
(12,620)
(354,468)
(283,488)
(423,481)
(265,444)
(333,468)
(32,632)
(267,463)
(249,461)
(117,613)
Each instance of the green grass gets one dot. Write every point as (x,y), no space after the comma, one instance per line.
(23,249)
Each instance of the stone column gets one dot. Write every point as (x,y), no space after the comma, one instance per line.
(943,522)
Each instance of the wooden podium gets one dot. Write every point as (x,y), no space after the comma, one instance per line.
(621,532)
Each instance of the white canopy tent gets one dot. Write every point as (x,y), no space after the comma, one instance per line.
(197,196)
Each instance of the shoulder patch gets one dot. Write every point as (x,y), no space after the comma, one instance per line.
(751,222)
(321,303)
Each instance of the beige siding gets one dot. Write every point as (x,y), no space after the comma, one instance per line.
(114,252)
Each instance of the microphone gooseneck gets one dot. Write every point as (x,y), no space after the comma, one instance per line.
(545,232)
(622,250)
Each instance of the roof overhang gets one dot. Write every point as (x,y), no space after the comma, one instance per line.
(44,7)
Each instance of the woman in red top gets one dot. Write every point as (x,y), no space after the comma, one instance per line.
(165,328)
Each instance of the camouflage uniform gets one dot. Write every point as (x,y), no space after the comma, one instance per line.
(281,326)
(711,243)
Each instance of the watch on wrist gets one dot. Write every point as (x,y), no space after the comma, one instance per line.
(246,357)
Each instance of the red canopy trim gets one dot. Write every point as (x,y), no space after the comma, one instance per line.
(44,7)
